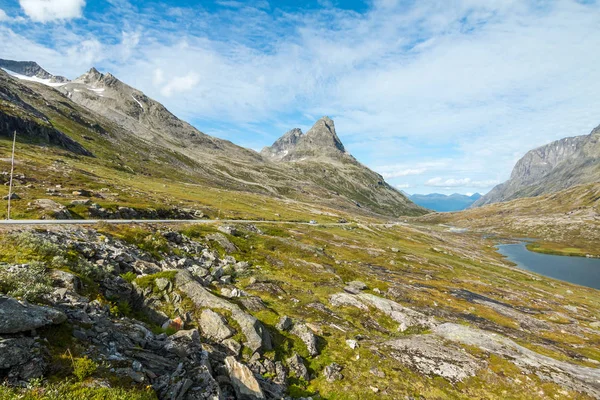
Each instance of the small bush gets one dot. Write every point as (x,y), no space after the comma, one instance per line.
(129,276)
(29,282)
(83,367)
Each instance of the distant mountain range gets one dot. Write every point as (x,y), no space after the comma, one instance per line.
(548,169)
(442,202)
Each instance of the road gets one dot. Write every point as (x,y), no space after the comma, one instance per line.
(16,222)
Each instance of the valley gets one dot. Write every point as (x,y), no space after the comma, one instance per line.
(293,273)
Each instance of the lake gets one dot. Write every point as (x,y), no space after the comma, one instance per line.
(579,270)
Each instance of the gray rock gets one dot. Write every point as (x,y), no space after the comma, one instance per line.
(243,381)
(233,346)
(163,284)
(16,316)
(214,326)
(358,285)
(406,317)
(223,241)
(428,355)
(307,336)
(21,359)
(296,365)
(285,323)
(333,372)
(257,337)
(345,299)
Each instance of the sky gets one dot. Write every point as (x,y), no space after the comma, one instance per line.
(436,95)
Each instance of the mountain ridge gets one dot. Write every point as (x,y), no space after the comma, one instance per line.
(322,170)
(550,168)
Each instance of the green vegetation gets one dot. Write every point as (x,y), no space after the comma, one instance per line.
(67,390)
(83,368)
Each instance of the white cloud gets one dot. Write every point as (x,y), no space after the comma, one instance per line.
(406,172)
(51,10)
(404,186)
(463,182)
(3,16)
(180,84)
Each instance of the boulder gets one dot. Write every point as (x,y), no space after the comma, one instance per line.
(257,337)
(345,299)
(214,326)
(307,336)
(297,367)
(243,381)
(16,316)
(333,372)
(21,359)
(285,323)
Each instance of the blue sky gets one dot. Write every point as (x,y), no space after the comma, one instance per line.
(436,95)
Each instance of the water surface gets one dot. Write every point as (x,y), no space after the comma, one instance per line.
(579,270)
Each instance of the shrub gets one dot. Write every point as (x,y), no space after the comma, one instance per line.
(83,367)
(129,276)
(29,281)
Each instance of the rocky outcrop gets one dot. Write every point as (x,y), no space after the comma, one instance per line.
(16,316)
(39,132)
(428,355)
(573,376)
(307,336)
(257,337)
(551,168)
(22,359)
(214,326)
(245,384)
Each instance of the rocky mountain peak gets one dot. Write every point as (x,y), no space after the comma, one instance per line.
(323,133)
(320,141)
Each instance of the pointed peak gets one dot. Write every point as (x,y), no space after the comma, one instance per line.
(323,134)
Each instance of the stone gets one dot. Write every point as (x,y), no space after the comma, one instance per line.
(214,326)
(163,284)
(233,346)
(307,336)
(333,372)
(404,316)
(223,241)
(428,355)
(253,303)
(353,344)
(16,316)
(21,359)
(13,196)
(376,372)
(296,365)
(346,299)
(243,381)
(285,323)
(358,285)
(257,337)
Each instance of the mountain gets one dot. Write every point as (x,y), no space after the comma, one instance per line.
(97,114)
(442,202)
(558,165)
(31,69)
(321,141)
(320,155)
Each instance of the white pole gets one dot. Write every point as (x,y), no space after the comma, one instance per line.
(12,170)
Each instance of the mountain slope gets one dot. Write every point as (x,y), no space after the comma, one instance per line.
(550,168)
(320,155)
(442,202)
(127,130)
